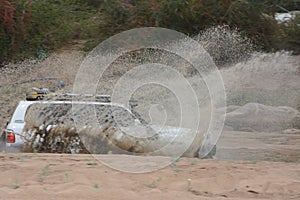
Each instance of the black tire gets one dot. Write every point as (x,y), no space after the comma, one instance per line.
(212,153)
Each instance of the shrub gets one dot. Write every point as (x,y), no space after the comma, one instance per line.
(289,39)
(14,20)
(32,26)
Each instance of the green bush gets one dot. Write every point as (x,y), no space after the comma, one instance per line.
(289,37)
(39,26)
(54,23)
(191,16)
(50,25)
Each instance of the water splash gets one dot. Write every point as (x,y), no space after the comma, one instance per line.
(249,76)
(267,78)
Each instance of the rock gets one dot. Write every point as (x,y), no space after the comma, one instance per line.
(259,117)
(296,122)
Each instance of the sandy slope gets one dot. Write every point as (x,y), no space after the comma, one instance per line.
(17,79)
(49,176)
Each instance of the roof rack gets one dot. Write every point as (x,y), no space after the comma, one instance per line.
(97,98)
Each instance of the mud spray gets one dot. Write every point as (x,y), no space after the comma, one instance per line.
(249,76)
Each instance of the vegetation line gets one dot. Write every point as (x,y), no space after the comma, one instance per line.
(37,27)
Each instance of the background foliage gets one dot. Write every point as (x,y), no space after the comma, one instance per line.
(34,27)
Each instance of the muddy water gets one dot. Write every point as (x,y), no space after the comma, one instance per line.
(51,128)
(269,79)
(266,78)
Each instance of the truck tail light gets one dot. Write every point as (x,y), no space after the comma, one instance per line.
(10,136)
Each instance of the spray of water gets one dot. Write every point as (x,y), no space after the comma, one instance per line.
(270,79)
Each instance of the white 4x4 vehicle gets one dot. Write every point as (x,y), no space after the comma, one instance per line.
(13,134)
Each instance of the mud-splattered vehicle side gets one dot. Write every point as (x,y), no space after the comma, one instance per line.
(49,127)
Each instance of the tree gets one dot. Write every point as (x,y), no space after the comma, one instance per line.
(14,20)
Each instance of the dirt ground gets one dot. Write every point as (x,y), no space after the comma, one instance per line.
(247,166)
(258,146)
(50,176)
